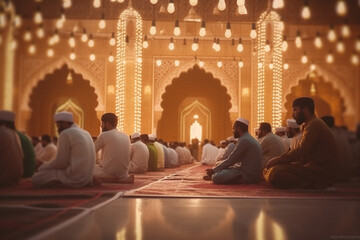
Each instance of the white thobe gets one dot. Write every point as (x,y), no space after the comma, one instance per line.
(48,153)
(209,153)
(74,162)
(295,141)
(115,157)
(188,157)
(38,148)
(181,155)
(139,157)
(220,155)
(173,158)
(286,142)
(271,146)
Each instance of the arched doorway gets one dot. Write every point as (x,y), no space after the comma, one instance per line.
(62,90)
(327,99)
(195,92)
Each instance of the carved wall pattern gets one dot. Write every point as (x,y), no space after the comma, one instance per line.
(228,75)
(92,71)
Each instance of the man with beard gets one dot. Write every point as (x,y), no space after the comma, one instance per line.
(312,163)
(74,163)
(247,152)
(293,132)
(115,152)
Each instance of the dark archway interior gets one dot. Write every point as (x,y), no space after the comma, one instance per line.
(52,92)
(200,85)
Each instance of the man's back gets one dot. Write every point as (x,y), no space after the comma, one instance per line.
(271,146)
(139,157)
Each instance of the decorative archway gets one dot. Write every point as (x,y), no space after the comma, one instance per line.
(195,85)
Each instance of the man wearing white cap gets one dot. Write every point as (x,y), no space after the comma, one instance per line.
(115,148)
(139,155)
(11,154)
(281,132)
(160,151)
(221,151)
(74,163)
(247,152)
(293,132)
(209,153)
(29,160)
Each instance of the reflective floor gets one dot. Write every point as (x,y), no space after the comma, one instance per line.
(224,219)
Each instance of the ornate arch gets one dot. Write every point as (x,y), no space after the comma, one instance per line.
(228,76)
(80,68)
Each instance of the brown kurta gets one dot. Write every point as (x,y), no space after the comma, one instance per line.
(311,164)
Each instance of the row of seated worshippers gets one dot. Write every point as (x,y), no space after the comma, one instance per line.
(315,157)
(73,161)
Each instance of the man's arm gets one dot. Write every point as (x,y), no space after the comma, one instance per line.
(235,156)
(63,154)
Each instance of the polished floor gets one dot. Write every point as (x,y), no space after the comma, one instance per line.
(224,219)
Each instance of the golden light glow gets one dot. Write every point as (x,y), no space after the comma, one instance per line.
(312,67)
(221,5)
(50,52)
(278,4)
(96,3)
(305,12)
(91,42)
(201,64)
(357,44)
(298,41)
(240,46)
(27,36)
(72,56)
(153,28)
(38,18)
(158,62)
(286,66)
(84,36)
(153,1)
(330,57)
(176,63)
(171,44)
(355,59)
(345,30)
(341,8)
(145,42)
(32,49)
(177,28)
(171,7)
(331,34)
(340,46)
(241,64)
(193,2)
(317,41)
(40,31)
(304,58)
(112,40)
(202,31)
(253,33)
(219,64)
(228,30)
(92,57)
(102,22)
(72,40)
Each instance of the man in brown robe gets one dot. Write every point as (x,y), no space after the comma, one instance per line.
(312,163)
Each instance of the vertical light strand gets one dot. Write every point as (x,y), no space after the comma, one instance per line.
(261,71)
(277,76)
(138,73)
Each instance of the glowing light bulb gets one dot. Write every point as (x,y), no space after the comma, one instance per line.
(50,52)
(154,1)
(32,49)
(298,41)
(317,41)
(312,67)
(357,44)
(193,2)
(242,10)
(72,56)
(267,46)
(345,30)
(84,36)
(240,46)
(56,38)
(59,23)
(153,28)
(253,31)
(97,3)
(355,59)
(38,18)
(260,64)
(40,32)
(92,57)
(202,31)
(286,66)
(158,63)
(284,45)
(176,63)
(305,13)
(214,44)
(331,34)
(139,60)
(219,64)
(145,42)
(177,28)
(102,22)
(72,40)
(111,58)
(278,4)
(340,46)
(27,36)
(241,64)
(271,65)
(171,44)
(217,46)
(330,57)
(201,64)
(171,7)
(221,5)
(195,45)
(341,8)
(14,44)
(120,1)
(112,40)
(91,42)
(304,58)
(281,26)
(228,30)
(17,21)
(66,3)
(3,19)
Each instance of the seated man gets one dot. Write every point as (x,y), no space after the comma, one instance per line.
(74,163)
(293,132)
(313,163)
(281,132)
(153,154)
(115,148)
(247,152)
(209,153)
(48,152)
(139,155)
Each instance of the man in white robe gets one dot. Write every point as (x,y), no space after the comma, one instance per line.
(221,151)
(181,153)
(281,132)
(48,152)
(209,153)
(139,155)
(115,148)
(75,160)
(173,157)
(293,132)
(160,151)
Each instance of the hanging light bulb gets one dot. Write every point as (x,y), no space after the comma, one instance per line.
(56,38)
(97,3)
(72,40)
(201,64)
(176,63)
(312,67)
(193,2)
(219,64)
(158,62)
(32,49)
(340,46)
(355,59)
(145,42)
(14,44)
(38,18)
(345,30)
(120,1)
(267,46)
(221,5)
(40,31)
(281,25)
(92,57)
(171,7)
(154,1)
(341,8)
(260,65)
(240,63)
(3,18)
(91,42)
(242,10)
(27,36)
(111,58)
(317,41)
(240,46)
(50,52)
(271,65)
(331,34)
(304,58)
(286,66)
(112,40)
(84,36)
(195,45)
(72,55)
(214,44)
(102,22)
(330,57)
(177,28)
(171,44)
(298,41)
(217,47)
(51,41)
(60,22)
(17,21)
(278,4)
(253,31)
(357,44)
(153,28)
(305,12)
(228,30)
(284,45)
(202,31)
(66,3)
